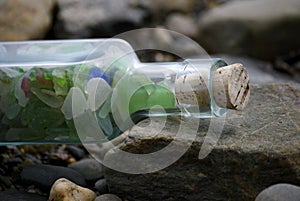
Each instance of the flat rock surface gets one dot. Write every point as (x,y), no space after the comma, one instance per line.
(258,147)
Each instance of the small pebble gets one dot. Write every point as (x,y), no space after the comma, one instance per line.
(108,197)
(32,158)
(65,190)
(75,151)
(101,186)
(58,158)
(90,169)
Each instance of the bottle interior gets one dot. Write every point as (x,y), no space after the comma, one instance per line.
(83,91)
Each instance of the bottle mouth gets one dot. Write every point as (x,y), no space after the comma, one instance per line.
(230,86)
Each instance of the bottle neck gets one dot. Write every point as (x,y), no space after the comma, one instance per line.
(201,85)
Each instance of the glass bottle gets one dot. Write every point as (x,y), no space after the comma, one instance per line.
(52,90)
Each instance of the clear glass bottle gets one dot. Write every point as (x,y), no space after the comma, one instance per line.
(52,90)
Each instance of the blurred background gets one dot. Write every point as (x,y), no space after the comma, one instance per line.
(262,34)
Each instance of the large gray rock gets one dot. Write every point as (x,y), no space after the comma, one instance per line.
(25,20)
(108,197)
(95,18)
(261,28)
(258,147)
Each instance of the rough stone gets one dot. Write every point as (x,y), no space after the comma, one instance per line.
(65,190)
(280,192)
(13,195)
(108,197)
(264,29)
(95,18)
(43,176)
(25,20)
(257,148)
(89,168)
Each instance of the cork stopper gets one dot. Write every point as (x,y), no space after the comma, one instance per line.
(230,88)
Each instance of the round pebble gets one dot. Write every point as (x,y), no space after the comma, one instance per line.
(90,169)
(65,190)
(108,197)
(101,186)
(280,192)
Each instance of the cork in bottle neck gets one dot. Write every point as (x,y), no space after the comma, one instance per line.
(230,88)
